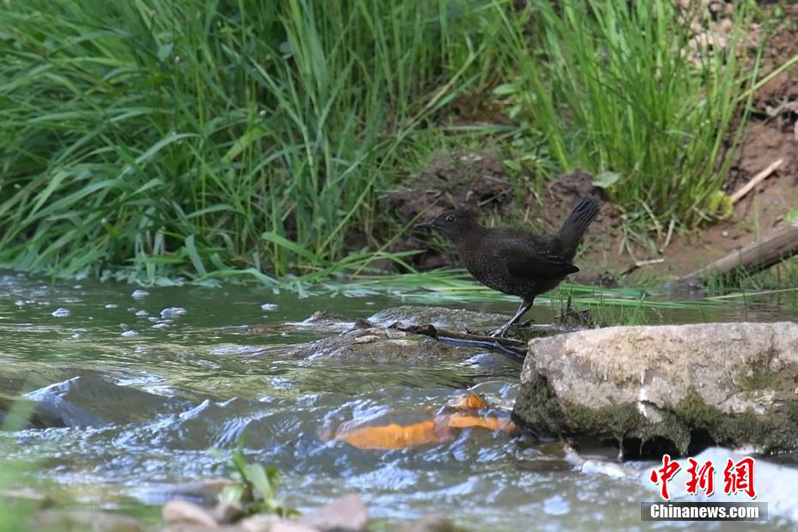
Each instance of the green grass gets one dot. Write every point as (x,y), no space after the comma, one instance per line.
(15,512)
(215,139)
(456,286)
(197,136)
(614,90)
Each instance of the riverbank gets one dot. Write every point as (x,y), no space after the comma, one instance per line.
(254,146)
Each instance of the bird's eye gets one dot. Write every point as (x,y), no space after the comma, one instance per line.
(450,218)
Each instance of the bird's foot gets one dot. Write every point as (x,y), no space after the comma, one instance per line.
(498,333)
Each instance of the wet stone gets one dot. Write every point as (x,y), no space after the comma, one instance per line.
(178,511)
(431,523)
(452,319)
(347,514)
(204,492)
(94,521)
(380,346)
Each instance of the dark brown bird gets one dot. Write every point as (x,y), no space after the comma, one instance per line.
(515,261)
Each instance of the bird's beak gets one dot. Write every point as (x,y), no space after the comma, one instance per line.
(425,225)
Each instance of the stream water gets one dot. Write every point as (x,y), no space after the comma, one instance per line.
(146,398)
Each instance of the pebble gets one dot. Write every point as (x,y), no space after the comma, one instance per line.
(61,313)
(138,294)
(177,511)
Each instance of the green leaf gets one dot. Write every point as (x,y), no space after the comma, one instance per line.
(606,179)
(281,241)
(191,247)
(505,89)
(232,493)
(256,474)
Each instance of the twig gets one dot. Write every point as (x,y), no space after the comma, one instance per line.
(761,176)
(514,349)
(642,263)
(668,236)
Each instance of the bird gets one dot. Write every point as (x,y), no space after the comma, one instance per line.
(515,261)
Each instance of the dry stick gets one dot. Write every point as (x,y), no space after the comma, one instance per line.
(781,244)
(642,263)
(669,235)
(761,176)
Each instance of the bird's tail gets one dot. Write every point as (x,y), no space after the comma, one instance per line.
(575,225)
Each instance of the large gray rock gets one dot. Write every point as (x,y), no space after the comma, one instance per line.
(738,382)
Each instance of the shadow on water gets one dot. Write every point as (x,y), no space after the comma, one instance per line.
(134,397)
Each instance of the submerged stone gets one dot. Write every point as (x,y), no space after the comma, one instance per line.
(373,345)
(94,520)
(671,388)
(439,317)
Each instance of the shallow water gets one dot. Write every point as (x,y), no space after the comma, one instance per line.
(145,399)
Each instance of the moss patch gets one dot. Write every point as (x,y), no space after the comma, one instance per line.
(540,410)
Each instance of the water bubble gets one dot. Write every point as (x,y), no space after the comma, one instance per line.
(61,313)
(138,294)
(142,313)
(111,305)
(172,312)
(129,333)
(268,306)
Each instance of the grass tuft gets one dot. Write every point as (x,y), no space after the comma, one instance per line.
(615,89)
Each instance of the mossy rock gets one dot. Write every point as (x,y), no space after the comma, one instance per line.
(735,382)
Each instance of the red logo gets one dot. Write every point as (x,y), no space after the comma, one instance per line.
(702,478)
(737,477)
(664,474)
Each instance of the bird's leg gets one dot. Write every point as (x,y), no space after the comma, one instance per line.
(525,305)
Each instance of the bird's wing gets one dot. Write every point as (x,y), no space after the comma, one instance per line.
(525,263)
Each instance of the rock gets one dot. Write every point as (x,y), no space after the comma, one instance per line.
(431,523)
(178,511)
(268,523)
(451,319)
(86,520)
(204,492)
(380,346)
(725,383)
(347,514)
(189,527)
(288,526)
(227,512)
(319,321)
